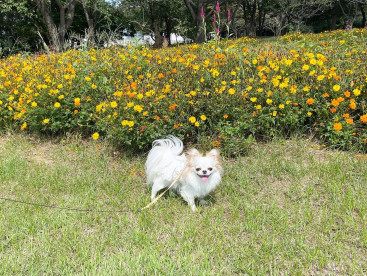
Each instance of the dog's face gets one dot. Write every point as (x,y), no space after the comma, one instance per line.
(204,166)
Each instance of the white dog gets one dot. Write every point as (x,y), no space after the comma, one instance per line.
(197,175)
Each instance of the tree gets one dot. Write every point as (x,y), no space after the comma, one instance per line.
(56,32)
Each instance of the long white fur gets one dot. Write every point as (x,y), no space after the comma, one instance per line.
(165,162)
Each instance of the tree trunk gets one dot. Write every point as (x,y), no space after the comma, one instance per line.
(91,29)
(195,13)
(57,34)
(363,16)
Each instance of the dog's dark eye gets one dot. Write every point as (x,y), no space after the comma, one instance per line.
(210,169)
(198,169)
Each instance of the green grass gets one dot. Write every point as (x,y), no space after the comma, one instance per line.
(286,208)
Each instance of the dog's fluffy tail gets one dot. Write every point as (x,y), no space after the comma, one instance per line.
(162,154)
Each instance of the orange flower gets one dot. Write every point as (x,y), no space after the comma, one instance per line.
(364,118)
(160,75)
(172,107)
(225,116)
(335,102)
(333,110)
(175,126)
(347,94)
(345,115)
(77,101)
(349,121)
(325,95)
(310,101)
(337,126)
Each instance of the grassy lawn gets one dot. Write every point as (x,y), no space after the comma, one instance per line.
(286,208)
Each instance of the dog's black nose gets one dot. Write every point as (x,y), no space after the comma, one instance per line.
(204,171)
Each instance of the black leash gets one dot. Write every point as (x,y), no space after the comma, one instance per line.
(63,208)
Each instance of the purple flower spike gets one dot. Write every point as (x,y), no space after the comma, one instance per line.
(214,19)
(229,14)
(202,12)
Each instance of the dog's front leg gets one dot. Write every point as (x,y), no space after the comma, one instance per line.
(189,199)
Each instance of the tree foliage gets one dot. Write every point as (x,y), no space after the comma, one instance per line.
(35,24)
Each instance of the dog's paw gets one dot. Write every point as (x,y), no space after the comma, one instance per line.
(203,202)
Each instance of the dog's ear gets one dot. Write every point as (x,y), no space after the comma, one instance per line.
(193,153)
(214,153)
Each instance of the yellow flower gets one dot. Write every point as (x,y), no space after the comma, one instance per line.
(258,107)
(77,101)
(94,86)
(231,91)
(197,124)
(356,92)
(192,119)
(336,88)
(203,117)
(130,104)
(274,113)
(281,106)
(95,136)
(253,99)
(34,104)
(138,108)
(46,121)
(254,61)
(113,104)
(88,79)
(269,101)
(305,67)
(130,123)
(57,105)
(24,125)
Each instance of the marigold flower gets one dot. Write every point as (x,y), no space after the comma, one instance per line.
(347,94)
(231,91)
(349,121)
(77,101)
(364,118)
(203,117)
(310,101)
(57,105)
(113,104)
(338,126)
(46,121)
(335,102)
(95,136)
